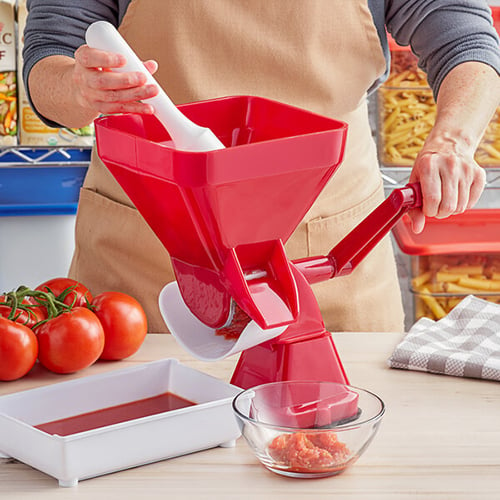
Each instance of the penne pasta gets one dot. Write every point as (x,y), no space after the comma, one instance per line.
(421,279)
(432,304)
(476,284)
(447,279)
(464,269)
(407,112)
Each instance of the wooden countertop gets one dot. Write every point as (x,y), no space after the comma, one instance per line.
(440,439)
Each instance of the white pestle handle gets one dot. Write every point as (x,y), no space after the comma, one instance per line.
(185,134)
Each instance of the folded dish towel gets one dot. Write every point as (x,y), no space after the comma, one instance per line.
(465,343)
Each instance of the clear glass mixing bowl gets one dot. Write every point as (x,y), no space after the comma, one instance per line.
(308,429)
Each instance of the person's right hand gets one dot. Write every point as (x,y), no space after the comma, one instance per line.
(103,91)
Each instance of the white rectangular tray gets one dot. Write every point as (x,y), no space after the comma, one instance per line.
(207,424)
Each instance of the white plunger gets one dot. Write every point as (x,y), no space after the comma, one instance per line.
(185,134)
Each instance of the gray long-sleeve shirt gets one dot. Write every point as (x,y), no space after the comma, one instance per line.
(443,33)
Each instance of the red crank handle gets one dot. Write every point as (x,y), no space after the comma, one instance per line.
(349,252)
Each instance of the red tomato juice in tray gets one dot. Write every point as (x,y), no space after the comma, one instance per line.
(115,414)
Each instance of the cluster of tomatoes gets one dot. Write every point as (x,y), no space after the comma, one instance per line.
(65,328)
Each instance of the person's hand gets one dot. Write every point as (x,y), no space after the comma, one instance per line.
(450,179)
(104,91)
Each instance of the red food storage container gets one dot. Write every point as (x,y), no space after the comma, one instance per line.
(452,258)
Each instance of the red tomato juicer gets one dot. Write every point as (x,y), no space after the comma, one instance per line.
(224,217)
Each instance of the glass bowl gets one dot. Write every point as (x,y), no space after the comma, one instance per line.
(308,429)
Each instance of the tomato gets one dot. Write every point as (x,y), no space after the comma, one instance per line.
(70,291)
(238,324)
(39,311)
(28,313)
(18,349)
(124,322)
(71,341)
(310,452)
(20,316)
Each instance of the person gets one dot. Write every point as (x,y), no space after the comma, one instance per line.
(323,55)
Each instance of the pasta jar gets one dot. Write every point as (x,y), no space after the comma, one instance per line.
(451,259)
(406,109)
(407,112)
(488,152)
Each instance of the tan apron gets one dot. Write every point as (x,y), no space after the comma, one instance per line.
(321,55)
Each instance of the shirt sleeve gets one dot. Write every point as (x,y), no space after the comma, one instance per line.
(57,27)
(444,33)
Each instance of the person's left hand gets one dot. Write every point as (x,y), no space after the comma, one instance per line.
(450,179)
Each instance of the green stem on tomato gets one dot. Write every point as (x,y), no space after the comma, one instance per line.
(52,304)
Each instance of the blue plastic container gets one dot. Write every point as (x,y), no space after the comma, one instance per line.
(40,190)
(38,203)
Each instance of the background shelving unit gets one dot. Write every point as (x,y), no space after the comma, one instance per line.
(396,177)
(57,156)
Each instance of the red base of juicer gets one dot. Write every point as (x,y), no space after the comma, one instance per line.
(304,351)
(314,358)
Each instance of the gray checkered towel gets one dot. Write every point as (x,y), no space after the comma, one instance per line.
(465,343)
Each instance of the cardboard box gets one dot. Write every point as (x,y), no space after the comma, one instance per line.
(8,77)
(32,131)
